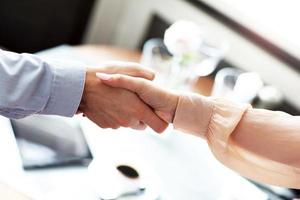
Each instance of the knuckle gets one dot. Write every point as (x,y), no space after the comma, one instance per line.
(141,72)
(103,126)
(140,86)
(125,123)
(115,126)
(118,78)
(143,85)
(138,71)
(162,128)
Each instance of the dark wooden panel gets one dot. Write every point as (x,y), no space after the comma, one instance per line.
(156,29)
(33,25)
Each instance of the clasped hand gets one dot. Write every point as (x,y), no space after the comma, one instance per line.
(121,94)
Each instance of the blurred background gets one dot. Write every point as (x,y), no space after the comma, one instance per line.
(248,51)
(262,35)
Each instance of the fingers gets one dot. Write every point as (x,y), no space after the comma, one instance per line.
(137,115)
(103,121)
(122,81)
(139,126)
(147,116)
(127,68)
(130,122)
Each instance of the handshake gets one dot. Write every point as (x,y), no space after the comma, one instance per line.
(122,94)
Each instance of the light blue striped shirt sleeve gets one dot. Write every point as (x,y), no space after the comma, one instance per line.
(30,85)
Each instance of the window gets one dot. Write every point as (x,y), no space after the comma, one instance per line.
(271,24)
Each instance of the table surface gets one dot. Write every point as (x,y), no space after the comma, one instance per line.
(183,163)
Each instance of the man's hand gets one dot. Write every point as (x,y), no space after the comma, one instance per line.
(163,102)
(114,107)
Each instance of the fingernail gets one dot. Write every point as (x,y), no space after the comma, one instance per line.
(103,76)
(151,75)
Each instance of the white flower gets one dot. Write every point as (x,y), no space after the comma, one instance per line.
(183,37)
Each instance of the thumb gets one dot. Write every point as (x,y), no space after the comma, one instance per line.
(127,68)
(132,84)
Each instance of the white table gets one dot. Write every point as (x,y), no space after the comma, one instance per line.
(184,164)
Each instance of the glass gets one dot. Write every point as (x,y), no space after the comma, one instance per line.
(237,85)
(224,82)
(156,56)
(181,72)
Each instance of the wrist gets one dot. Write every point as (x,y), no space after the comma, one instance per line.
(90,78)
(174,104)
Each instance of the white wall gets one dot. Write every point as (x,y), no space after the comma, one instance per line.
(124,22)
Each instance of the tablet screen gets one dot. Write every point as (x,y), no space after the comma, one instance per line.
(50,141)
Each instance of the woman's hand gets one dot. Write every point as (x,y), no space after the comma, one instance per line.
(163,102)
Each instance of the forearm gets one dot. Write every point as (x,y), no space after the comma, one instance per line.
(31,85)
(268,143)
(259,144)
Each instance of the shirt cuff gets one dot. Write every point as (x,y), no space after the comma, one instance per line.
(67,88)
(193,114)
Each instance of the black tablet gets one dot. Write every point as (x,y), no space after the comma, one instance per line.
(50,141)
